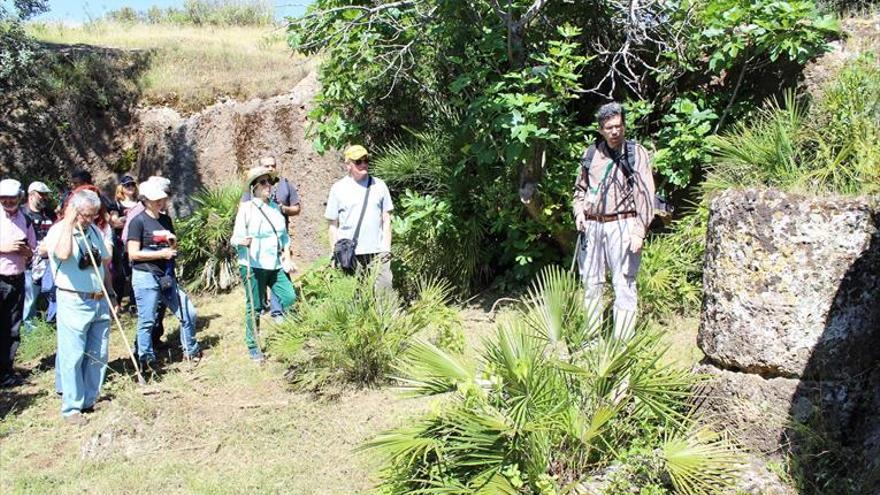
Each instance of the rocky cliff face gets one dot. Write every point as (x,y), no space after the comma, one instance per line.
(218,144)
(791,318)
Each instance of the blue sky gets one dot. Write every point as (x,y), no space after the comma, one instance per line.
(83,10)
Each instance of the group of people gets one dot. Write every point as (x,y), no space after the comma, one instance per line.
(97,249)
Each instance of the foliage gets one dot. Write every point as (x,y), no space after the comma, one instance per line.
(355,332)
(436,230)
(19,55)
(671,270)
(830,144)
(510,100)
(201,13)
(550,400)
(207,260)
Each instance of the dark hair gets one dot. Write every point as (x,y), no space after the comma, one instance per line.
(82,176)
(609,110)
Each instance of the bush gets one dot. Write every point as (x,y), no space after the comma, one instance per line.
(348,332)
(831,144)
(671,271)
(551,400)
(207,259)
(202,12)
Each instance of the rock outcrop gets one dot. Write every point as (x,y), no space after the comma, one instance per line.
(218,144)
(791,319)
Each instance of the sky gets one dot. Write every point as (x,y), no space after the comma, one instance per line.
(83,10)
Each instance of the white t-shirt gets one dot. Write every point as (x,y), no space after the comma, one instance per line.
(344,204)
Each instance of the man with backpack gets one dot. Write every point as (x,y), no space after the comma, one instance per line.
(359,217)
(613,208)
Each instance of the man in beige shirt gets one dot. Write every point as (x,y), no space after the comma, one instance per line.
(613,207)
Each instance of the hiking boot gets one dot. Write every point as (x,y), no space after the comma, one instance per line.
(76,419)
(256,355)
(88,409)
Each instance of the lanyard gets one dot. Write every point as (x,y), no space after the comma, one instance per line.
(595,190)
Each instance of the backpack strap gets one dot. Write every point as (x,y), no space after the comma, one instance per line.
(357,229)
(586,161)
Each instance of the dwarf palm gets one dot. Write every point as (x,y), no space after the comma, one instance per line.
(206,257)
(546,403)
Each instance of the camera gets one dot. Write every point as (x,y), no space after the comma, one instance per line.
(85,262)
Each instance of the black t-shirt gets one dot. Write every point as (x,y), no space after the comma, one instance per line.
(147,230)
(41,220)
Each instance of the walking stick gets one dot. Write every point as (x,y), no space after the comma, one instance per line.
(577,247)
(134,361)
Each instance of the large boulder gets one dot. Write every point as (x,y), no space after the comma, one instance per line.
(791,324)
(792,285)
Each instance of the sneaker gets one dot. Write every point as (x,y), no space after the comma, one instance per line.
(278,319)
(194,359)
(76,419)
(256,355)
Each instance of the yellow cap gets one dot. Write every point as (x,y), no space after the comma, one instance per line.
(355,152)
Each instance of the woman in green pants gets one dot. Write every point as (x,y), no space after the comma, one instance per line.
(261,239)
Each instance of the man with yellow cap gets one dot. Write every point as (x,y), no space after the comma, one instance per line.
(359,209)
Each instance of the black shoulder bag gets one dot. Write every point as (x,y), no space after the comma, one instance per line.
(343,250)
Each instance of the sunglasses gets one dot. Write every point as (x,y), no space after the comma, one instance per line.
(362,161)
(265,182)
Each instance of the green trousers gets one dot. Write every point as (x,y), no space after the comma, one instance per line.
(260,279)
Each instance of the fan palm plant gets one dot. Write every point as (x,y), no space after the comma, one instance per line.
(355,332)
(207,259)
(551,398)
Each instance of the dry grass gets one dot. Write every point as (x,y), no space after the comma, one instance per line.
(225,426)
(191,67)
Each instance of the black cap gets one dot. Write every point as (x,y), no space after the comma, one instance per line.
(126,180)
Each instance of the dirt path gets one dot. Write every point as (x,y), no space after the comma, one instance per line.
(224,426)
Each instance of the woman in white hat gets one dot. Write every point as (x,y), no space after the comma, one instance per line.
(261,239)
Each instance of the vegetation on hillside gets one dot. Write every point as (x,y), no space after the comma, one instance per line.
(189,66)
(200,13)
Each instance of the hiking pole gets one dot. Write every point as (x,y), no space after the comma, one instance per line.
(577,247)
(137,368)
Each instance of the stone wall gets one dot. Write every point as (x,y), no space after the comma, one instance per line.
(791,318)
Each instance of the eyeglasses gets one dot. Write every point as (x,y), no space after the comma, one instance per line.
(89,216)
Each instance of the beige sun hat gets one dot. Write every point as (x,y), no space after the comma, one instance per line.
(257,172)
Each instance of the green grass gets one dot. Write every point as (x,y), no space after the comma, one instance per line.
(190,67)
(38,343)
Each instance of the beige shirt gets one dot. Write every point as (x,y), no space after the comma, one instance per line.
(609,193)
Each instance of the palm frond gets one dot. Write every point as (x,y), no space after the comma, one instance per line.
(700,461)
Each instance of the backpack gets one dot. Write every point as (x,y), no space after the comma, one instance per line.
(627,165)
(661,207)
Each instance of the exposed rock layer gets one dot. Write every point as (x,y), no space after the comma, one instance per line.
(218,144)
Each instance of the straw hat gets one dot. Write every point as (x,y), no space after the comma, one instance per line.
(257,172)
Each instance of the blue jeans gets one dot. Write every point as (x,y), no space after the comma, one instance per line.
(83,341)
(31,297)
(147,295)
